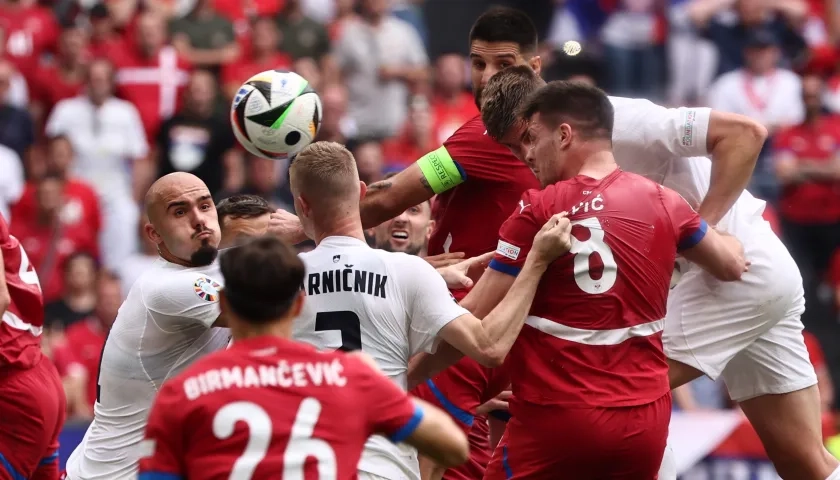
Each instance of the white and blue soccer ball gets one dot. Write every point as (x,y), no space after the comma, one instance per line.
(275,114)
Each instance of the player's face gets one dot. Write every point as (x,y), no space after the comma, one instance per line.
(407,232)
(187,225)
(546,149)
(514,139)
(487,58)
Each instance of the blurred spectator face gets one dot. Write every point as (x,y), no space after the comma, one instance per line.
(761,59)
(408,232)
(100,80)
(79,273)
(450,76)
(71,46)
(334,102)
(60,155)
(265,37)
(369,160)
(812,94)
(49,194)
(109,299)
(151,33)
(421,123)
(6,73)
(375,8)
(100,20)
(201,92)
(263,175)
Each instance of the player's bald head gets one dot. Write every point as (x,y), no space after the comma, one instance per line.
(325,174)
(503,97)
(168,187)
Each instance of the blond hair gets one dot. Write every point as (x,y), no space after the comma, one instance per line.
(504,95)
(324,172)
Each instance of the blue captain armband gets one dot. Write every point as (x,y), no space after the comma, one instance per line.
(695,238)
(441,171)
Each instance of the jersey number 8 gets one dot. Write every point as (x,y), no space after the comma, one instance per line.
(260,432)
(583,250)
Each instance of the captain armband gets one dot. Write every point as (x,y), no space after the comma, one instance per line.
(441,171)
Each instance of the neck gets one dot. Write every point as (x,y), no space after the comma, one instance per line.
(169,257)
(598,164)
(759,71)
(263,55)
(279,328)
(345,226)
(80,298)
(47,217)
(812,116)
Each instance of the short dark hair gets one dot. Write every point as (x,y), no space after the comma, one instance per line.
(504,95)
(242,206)
(585,107)
(503,24)
(262,279)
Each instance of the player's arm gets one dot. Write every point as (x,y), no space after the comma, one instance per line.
(732,141)
(401,418)
(185,297)
(162,451)
(719,254)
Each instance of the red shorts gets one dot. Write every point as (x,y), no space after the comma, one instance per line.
(551,442)
(33,410)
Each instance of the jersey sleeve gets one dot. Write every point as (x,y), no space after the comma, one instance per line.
(679,132)
(430,305)
(191,296)
(516,236)
(689,228)
(390,410)
(162,450)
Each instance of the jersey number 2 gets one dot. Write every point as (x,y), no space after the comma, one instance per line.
(584,249)
(260,432)
(344,321)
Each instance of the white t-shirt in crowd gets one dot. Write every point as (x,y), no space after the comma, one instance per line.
(163,326)
(391,305)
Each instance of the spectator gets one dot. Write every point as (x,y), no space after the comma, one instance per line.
(263,55)
(205,38)
(416,139)
(199,142)
(61,78)
(452,105)
(381,58)
(370,161)
(693,60)
(135,264)
(336,126)
(78,295)
(30,31)
(105,41)
(264,179)
(241,13)
(727,24)
(16,129)
(51,236)
(345,12)
(81,349)
(78,195)
(302,37)
(17,92)
(807,164)
(11,180)
(151,74)
(111,154)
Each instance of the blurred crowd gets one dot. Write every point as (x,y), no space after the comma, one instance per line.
(99,99)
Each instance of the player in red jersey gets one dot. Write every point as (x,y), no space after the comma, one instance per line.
(32,403)
(271,408)
(591,391)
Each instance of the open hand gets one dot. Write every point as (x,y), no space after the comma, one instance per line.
(554,238)
(445,259)
(464,274)
(286,226)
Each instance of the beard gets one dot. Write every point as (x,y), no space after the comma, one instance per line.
(411,249)
(477,97)
(205,255)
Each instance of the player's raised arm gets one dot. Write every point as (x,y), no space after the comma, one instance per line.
(720,255)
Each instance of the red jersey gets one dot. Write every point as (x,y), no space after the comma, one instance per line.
(50,86)
(28,32)
(593,337)
(272,408)
(819,142)
(235,74)
(468,216)
(82,348)
(448,116)
(23,321)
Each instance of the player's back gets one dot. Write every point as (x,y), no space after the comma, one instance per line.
(596,321)
(160,329)
(269,408)
(23,320)
(468,217)
(359,298)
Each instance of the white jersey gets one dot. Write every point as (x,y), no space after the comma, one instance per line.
(162,327)
(657,143)
(389,305)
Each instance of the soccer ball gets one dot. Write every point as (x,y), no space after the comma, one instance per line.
(275,114)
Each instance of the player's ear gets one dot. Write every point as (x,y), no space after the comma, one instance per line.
(362,190)
(536,64)
(564,130)
(429,229)
(152,234)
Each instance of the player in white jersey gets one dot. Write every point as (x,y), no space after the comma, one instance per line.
(389,305)
(166,322)
(747,332)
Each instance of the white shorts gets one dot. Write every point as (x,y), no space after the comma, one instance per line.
(747,331)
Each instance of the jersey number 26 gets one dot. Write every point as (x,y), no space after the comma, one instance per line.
(261,431)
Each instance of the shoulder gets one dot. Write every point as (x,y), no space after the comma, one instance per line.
(472,127)
(789,76)
(163,281)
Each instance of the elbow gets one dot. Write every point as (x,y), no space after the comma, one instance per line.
(753,132)
(491,357)
(729,130)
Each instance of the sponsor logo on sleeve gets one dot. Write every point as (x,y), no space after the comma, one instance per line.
(207,289)
(688,118)
(505,249)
